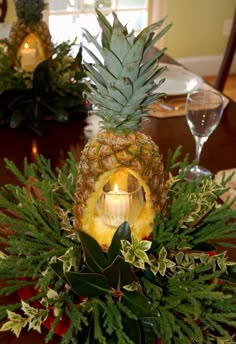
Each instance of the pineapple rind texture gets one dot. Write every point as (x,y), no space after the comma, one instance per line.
(100,159)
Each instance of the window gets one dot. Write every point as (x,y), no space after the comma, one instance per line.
(66,18)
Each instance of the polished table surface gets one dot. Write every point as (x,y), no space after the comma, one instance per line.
(58,138)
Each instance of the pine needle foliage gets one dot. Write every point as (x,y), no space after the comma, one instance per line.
(173,287)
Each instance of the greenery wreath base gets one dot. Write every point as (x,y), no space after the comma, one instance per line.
(176,287)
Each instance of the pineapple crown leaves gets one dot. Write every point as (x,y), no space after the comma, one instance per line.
(30,11)
(122,83)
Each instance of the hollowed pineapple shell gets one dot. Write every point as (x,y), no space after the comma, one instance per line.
(103,156)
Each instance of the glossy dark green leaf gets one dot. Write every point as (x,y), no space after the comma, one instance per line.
(149,330)
(119,273)
(123,233)
(230,276)
(132,330)
(41,77)
(94,255)
(88,284)
(139,304)
(205,247)
(16,118)
(58,269)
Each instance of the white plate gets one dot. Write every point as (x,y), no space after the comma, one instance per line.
(178,80)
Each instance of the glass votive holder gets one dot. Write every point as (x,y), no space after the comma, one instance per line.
(116,205)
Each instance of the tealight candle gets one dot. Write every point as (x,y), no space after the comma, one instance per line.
(116,205)
(28,57)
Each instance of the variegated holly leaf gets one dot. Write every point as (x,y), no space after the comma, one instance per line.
(135,252)
(132,286)
(67,259)
(14,324)
(3,255)
(35,316)
(162,264)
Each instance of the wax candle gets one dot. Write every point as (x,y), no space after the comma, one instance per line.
(28,58)
(116,204)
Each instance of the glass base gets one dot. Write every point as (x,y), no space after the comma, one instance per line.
(197,172)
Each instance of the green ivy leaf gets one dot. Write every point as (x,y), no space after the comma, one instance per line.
(94,255)
(88,284)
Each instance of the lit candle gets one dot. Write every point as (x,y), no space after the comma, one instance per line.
(116,205)
(28,58)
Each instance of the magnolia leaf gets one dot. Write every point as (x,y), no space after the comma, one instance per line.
(132,329)
(15,324)
(139,304)
(122,233)
(94,255)
(149,329)
(58,269)
(88,284)
(230,275)
(119,273)
(205,247)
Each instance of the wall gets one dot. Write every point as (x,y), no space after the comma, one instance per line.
(197,32)
(10,17)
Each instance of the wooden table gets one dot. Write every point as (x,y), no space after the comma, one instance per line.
(58,139)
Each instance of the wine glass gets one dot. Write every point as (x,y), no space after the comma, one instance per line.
(204,109)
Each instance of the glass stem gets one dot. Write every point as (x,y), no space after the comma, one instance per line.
(199,145)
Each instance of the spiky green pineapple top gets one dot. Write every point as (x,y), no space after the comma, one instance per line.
(30,11)
(123,86)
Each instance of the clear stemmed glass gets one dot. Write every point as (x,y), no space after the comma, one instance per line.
(203,112)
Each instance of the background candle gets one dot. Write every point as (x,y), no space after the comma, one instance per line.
(28,57)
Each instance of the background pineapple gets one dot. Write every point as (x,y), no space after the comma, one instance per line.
(122,89)
(31,28)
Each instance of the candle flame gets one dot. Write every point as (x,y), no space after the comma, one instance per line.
(26,46)
(116,189)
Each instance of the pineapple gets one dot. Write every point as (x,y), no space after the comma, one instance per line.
(122,88)
(31,29)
